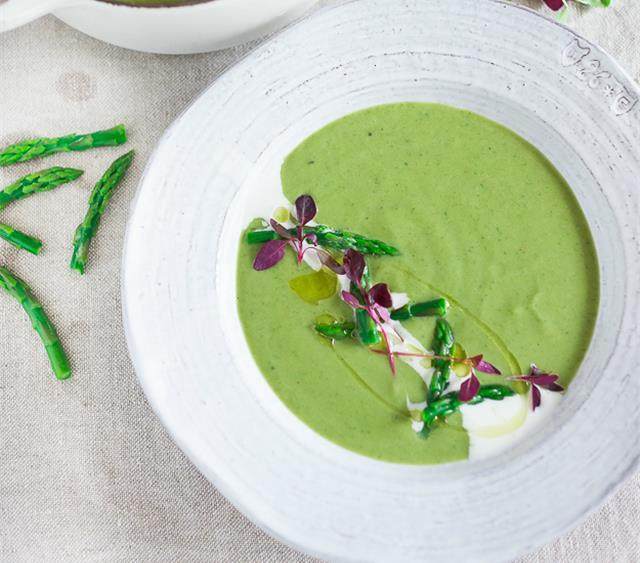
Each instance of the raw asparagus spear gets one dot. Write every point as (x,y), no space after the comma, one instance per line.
(42,181)
(442,344)
(434,308)
(37,148)
(331,238)
(42,325)
(98,201)
(450,403)
(20,240)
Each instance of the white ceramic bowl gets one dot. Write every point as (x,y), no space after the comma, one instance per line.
(561,93)
(197,28)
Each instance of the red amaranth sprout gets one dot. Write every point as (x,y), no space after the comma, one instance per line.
(539,379)
(375,300)
(273,251)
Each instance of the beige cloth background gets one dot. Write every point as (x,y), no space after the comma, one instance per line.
(86,470)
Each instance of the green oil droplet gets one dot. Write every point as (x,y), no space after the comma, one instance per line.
(281,214)
(459,368)
(315,287)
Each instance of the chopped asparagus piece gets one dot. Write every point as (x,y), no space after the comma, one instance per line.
(20,240)
(41,324)
(98,201)
(434,308)
(335,330)
(331,238)
(442,344)
(37,148)
(450,403)
(36,182)
(365,326)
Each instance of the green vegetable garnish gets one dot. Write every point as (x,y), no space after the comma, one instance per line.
(374,318)
(450,403)
(442,345)
(20,240)
(335,239)
(433,308)
(335,330)
(37,182)
(98,201)
(366,328)
(37,148)
(42,325)
(30,184)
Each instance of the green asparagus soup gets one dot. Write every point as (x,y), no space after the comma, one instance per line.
(479,216)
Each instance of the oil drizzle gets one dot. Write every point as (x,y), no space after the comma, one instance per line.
(361,381)
(508,355)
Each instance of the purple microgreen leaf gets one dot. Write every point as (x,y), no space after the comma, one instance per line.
(536,397)
(354,266)
(555,5)
(280,229)
(484,366)
(542,380)
(547,381)
(269,255)
(351,300)
(555,387)
(329,261)
(380,295)
(305,209)
(469,388)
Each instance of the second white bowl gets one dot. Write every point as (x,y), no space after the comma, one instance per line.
(198,28)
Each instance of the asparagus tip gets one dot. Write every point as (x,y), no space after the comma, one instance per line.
(77,265)
(120,134)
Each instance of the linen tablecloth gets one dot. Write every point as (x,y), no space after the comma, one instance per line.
(87,472)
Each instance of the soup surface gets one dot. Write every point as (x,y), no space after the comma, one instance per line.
(480,217)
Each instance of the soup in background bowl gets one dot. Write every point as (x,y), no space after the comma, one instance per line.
(172,27)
